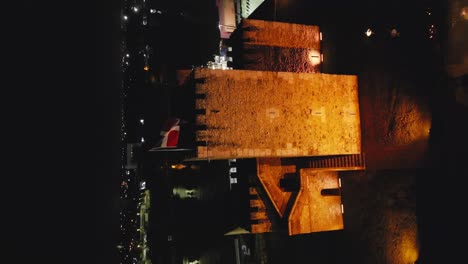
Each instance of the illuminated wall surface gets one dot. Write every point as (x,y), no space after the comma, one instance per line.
(276,114)
(262,58)
(270,171)
(311,211)
(261,222)
(277,46)
(279,34)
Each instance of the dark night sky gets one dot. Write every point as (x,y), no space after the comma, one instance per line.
(106,208)
(57,152)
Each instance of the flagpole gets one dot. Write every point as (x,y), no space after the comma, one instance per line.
(236,245)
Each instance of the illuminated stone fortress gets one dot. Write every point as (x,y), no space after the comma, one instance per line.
(301,126)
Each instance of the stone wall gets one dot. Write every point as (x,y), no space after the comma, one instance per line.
(279,34)
(276,114)
(276,46)
(313,212)
(261,58)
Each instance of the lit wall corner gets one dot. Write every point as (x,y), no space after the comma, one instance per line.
(313,211)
